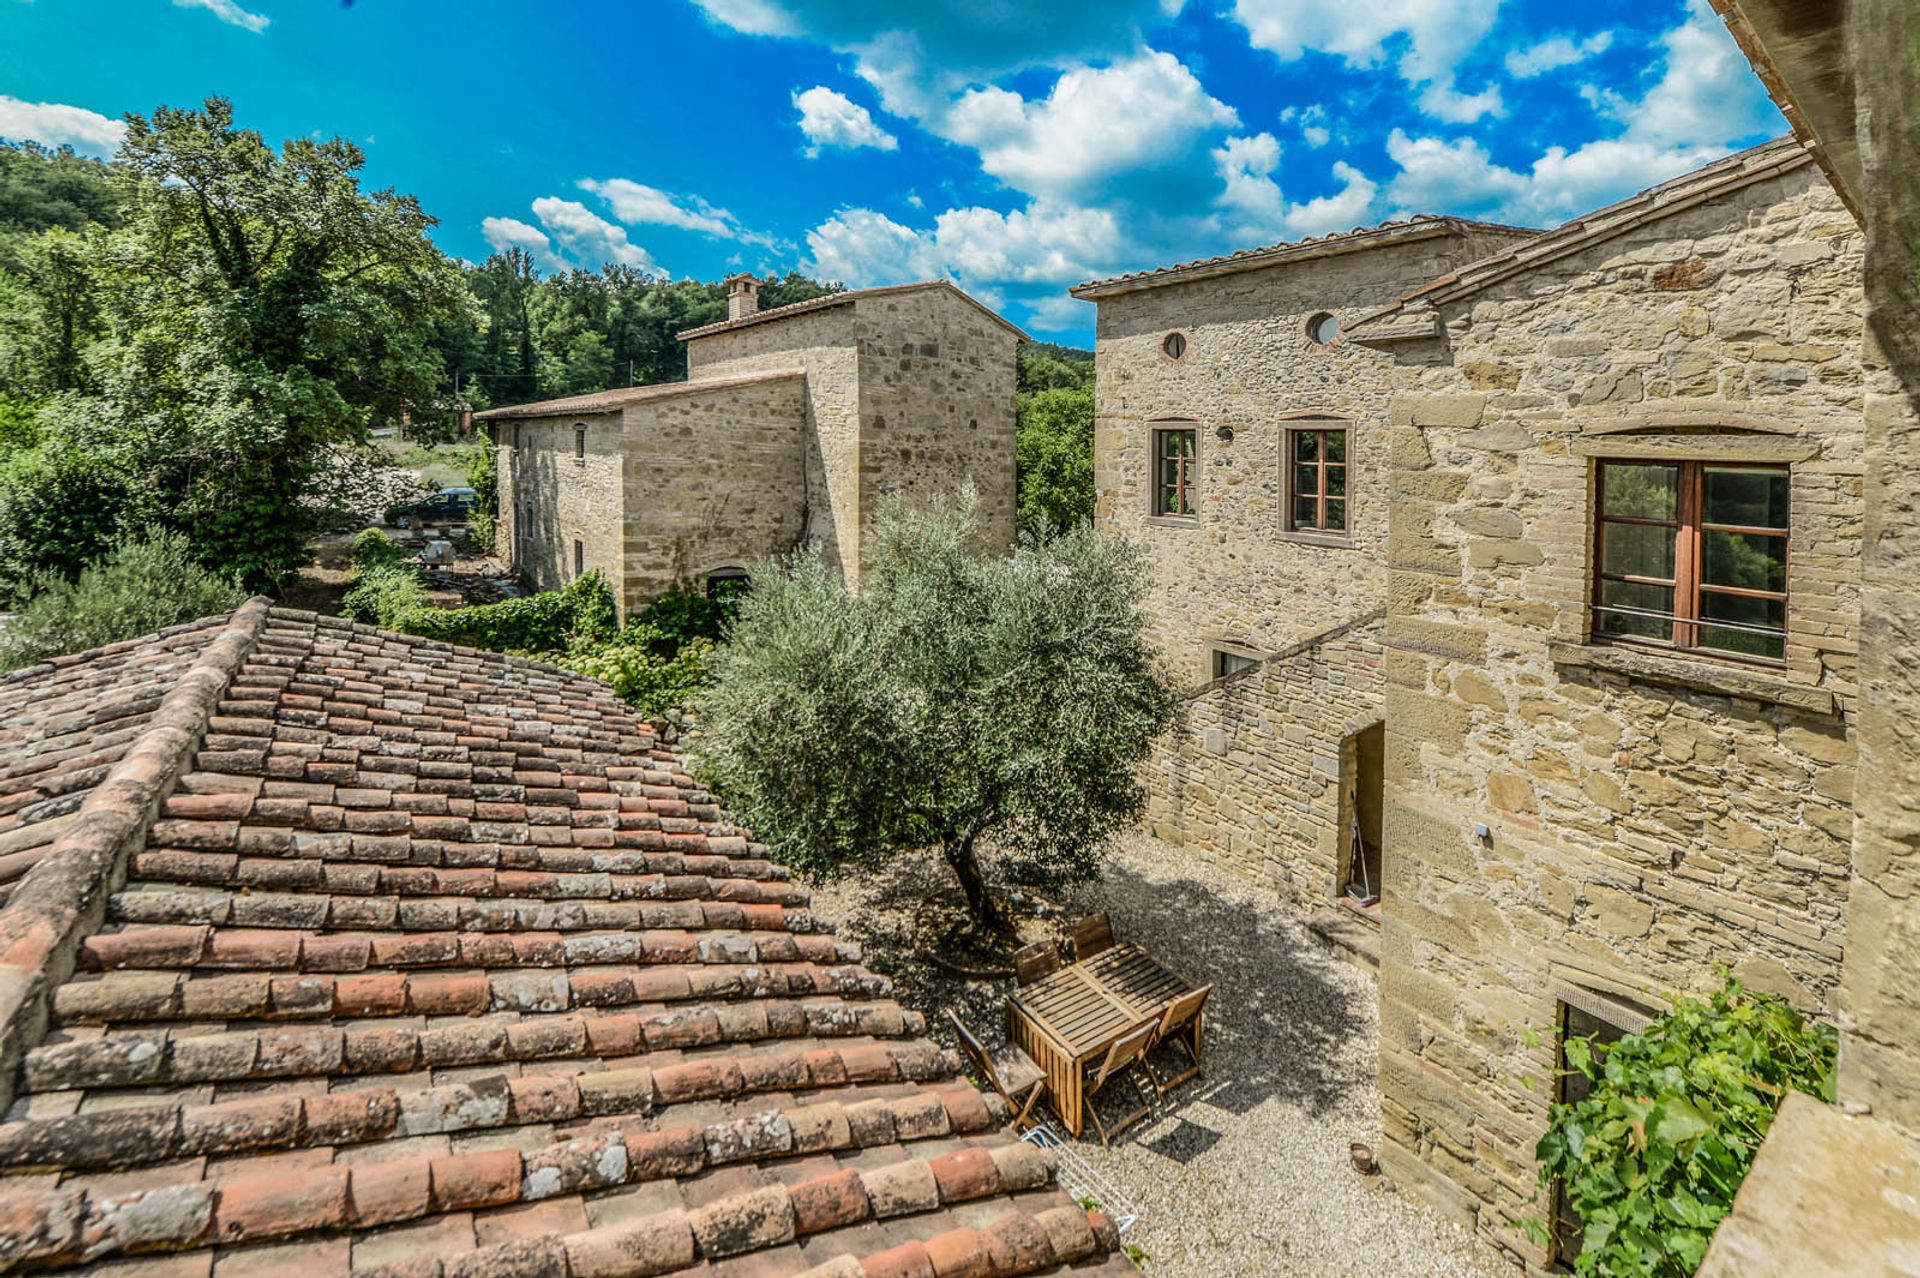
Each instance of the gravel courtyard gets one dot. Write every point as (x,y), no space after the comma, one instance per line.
(1243,1173)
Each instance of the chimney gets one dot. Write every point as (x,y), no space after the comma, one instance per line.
(743,296)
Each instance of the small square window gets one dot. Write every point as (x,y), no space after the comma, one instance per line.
(1317,480)
(1231,663)
(1174,451)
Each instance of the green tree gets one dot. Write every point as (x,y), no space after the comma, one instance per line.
(1650,1160)
(955,701)
(1054,455)
(262,310)
(60,509)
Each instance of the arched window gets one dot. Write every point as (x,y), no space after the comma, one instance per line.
(724,585)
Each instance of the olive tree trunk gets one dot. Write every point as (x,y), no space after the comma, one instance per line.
(965,863)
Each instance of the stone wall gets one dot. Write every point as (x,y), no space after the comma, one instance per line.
(823,344)
(937,379)
(1233,576)
(1251,772)
(1880,1048)
(714,480)
(1595,825)
(549,498)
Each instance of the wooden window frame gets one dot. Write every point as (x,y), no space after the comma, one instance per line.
(1181,490)
(1218,658)
(1689,529)
(1319,494)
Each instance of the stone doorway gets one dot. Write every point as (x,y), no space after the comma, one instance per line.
(1363,759)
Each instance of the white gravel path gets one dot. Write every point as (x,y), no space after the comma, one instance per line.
(1245,1172)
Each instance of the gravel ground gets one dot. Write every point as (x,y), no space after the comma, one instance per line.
(1243,1173)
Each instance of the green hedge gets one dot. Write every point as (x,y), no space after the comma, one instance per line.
(551,621)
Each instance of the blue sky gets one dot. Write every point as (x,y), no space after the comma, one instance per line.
(1017,146)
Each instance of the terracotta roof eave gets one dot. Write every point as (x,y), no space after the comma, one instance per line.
(1690,190)
(847,298)
(1424,227)
(601,403)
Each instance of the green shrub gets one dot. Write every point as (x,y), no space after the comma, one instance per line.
(656,686)
(374,549)
(387,595)
(141,587)
(551,621)
(480,530)
(1651,1159)
(684,614)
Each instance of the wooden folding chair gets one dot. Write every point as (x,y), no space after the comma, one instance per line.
(1031,962)
(1091,935)
(1008,1070)
(1125,1052)
(1179,1025)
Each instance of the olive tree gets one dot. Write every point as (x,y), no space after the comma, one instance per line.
(959,700)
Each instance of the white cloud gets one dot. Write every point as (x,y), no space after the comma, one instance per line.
(228,12)
(1312,121)
(861,248)
(1246,167)
(752,17)
(1437,35)
(503,233)
(1256,208)
(57,124)
(1042,244)
(1705,102)
(636,203)
(1555,53)
(921,56)
(829,119)
(569,234)
(1145,112)
(1343,210)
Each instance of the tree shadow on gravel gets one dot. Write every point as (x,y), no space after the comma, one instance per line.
(1281,1019)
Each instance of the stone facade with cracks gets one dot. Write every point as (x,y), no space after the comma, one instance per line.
(792,428)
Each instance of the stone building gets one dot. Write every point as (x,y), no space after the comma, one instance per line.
(1623,617)
(1599,584)
(791,427)
(1243,438)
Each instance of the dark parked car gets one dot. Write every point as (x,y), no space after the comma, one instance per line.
(448,506)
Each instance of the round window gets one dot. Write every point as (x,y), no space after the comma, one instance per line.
(1324,329)
(1174,345)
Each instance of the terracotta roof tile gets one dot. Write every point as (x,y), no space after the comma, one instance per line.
(431,961)
(1419,226)
(1412,316)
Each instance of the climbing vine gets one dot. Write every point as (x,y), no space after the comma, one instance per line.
(1652,1157)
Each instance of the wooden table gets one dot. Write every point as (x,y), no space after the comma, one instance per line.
(1070,1018)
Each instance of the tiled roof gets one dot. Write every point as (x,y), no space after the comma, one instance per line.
(369,954)
(612,401)
(1770,159)
(847,297)
(1420,226)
